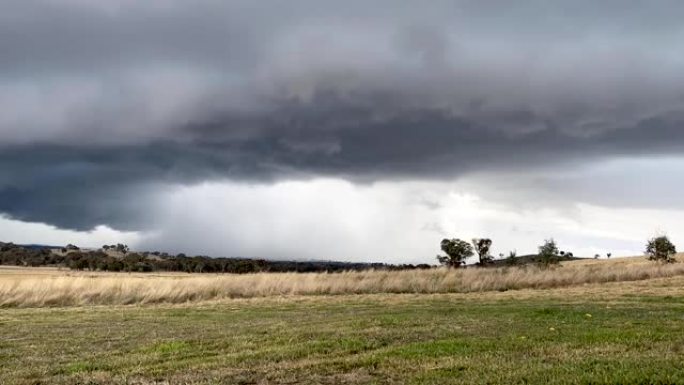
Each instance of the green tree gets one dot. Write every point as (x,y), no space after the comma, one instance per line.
(548,253)
(660,249)
(456,251)
(482,246)
(123,249)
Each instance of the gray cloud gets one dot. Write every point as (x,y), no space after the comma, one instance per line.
(102,105)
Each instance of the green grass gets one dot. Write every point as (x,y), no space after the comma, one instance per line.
(383,339)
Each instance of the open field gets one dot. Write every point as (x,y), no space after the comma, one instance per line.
(624,328)
(623,332)
(54,287)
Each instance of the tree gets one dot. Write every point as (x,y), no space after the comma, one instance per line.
(660,249)
(123,249)
(548,253)
(456,251)
(482,246)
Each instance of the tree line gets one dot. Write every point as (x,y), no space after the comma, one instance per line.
(74,258)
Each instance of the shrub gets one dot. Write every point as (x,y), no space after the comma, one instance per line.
(512,259)
(548,253)
(660,249)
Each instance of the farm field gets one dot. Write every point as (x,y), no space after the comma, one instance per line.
(616,332)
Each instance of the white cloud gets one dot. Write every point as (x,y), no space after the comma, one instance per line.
(317,219)
(39,233)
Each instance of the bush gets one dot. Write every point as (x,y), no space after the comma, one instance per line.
(660,249)
(512,259)
(548,254)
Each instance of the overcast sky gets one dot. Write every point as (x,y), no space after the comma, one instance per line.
(350,130)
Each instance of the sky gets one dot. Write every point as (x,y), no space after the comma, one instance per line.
(346,130)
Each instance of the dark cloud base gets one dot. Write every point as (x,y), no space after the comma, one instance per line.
(79,187)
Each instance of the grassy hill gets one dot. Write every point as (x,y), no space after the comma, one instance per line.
(529,259)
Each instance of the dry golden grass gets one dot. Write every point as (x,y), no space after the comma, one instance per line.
(53,287)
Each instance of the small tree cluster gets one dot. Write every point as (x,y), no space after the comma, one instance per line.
(660,249)
(119,247)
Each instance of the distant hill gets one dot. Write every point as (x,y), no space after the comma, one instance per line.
(530,259)
(128,261)
(38,246)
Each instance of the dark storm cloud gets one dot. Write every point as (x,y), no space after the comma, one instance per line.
(104,104)
(77,188)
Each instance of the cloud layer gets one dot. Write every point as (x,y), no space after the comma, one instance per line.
(103,105)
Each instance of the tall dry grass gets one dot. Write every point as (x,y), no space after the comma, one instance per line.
(59,288)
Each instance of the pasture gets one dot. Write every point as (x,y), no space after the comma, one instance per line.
(621,329)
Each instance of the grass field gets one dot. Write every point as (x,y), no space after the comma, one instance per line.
(52,287)
(619,332)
